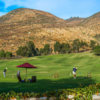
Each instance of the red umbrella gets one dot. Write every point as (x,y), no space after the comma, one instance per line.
(26,65)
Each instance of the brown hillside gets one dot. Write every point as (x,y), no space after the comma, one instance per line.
(22,25)
(93,22)
(74,21)
(24,16)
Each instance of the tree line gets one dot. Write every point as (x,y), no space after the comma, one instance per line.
(4,54)
(29,50)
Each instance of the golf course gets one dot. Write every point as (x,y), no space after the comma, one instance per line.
(53,72)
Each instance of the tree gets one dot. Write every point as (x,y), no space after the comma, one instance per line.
(64,48)
(76,45)
(28,50)
(57,47)
(47,49)
(42,51)
(19,51)
(31,48)
(96,50)
(8,54)
(37,52)
(82,44)
(23,51)
(92,44)
(61,48)
(2,54)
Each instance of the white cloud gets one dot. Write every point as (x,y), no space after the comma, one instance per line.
(46,5)
(24,3)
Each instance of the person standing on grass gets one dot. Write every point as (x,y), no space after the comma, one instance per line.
(4,72)
(18,73)
(74,72)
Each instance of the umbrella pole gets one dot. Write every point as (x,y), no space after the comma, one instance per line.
(26,73)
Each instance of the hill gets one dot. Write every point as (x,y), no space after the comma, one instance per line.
(22,25)
(93,22)
(25,16)
(74,21)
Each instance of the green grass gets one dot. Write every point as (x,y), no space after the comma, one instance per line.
(47,67)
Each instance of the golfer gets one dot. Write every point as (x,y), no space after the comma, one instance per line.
(74,72)
(18,73)
(4,72)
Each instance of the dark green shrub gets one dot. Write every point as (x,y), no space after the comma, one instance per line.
(2,54)
(8,54)
(76,45)
(41,51)
(23,51)
(61,94)
(92,44)
(64,48)
(96,50)
(47,50)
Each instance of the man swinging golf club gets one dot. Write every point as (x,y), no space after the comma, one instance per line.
(74,72)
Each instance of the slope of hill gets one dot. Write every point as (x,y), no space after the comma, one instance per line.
(29,16)
(22,25)
(93,22)
(74,21)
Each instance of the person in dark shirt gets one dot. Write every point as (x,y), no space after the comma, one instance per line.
(74,72)
(4,72)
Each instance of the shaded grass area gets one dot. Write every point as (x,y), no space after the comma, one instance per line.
(44,85)
(47,68)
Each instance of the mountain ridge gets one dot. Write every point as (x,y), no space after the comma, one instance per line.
(22,25)
(74,21)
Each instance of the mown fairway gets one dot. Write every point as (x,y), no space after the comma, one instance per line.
(48,67)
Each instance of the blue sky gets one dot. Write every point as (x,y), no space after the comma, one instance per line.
(61,8)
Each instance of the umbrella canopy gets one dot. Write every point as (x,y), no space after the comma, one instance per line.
(26,65)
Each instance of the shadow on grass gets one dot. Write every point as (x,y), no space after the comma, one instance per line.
(46,85)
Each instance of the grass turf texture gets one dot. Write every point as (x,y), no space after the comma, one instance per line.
(48,67)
